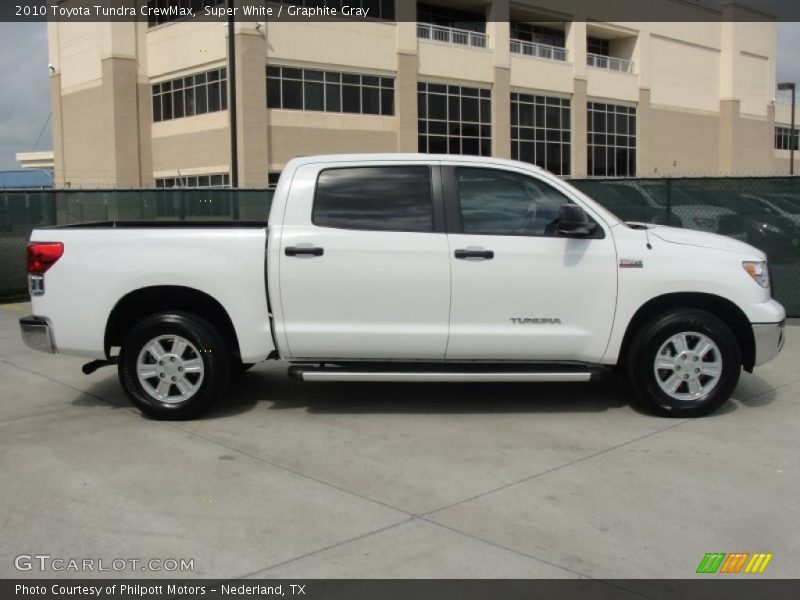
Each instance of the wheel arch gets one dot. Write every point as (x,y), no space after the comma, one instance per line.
(722,308)
(143,302)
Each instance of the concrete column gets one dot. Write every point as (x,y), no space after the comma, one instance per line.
(576,46)
(746,143)
(120,103)
(501,113)
(58,131)
(578,141)
(405,94)
(251,106)
(644,137)
(406,102)
(499,32)
(728,117)
(145,112)
(406,16)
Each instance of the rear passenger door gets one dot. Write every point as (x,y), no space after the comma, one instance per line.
(364,263)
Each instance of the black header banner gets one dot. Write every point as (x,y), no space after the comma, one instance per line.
(161,11)
(713,588)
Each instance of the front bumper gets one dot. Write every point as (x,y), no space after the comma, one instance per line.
(769,338)
(37,333)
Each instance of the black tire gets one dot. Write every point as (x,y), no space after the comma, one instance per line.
(641,356)
(212,352)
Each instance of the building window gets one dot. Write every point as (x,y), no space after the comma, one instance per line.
(329,91)
(217,180)
(272,179)
(784,139)
(164,11)
(611,140)
(598,46)
(193,95)
(375,198)
(540,131)
(454,119)
(443,16)
(382,10)
(536,34)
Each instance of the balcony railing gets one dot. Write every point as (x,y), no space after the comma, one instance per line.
(451,35)
(609,62)
(538,50)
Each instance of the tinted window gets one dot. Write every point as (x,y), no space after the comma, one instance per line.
(503,203)
(377,198)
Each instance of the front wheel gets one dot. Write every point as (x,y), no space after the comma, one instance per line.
(174,366)
(684,363)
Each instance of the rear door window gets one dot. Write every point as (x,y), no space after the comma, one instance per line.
(375,198)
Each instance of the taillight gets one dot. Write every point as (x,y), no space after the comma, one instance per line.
(43,255)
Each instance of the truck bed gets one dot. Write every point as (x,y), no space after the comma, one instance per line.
(162,225)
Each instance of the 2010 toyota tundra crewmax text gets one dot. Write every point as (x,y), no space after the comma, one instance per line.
(407,268)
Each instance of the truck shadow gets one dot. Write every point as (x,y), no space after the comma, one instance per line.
(424,397)
(273,386)
(449,398)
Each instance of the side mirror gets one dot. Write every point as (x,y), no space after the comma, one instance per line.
(574,222)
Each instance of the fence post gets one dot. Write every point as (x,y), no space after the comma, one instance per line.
(53,208)
(235,204)
(669,201)
(182,197)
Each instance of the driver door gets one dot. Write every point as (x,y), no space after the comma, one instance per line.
(520,291)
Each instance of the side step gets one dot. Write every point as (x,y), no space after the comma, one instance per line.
(474,374)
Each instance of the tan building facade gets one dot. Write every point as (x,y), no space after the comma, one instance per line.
(145,105)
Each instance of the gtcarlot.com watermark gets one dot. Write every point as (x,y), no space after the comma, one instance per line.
(58,564)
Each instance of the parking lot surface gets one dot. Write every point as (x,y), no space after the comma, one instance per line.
(292,479)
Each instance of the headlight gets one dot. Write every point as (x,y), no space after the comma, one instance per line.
(771,228)
(758,271)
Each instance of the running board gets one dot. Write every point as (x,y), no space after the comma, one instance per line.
(317,374)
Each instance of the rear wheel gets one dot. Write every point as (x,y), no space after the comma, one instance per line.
(684,363)
(174,365)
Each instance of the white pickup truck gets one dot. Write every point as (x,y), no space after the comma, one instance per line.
(407,268)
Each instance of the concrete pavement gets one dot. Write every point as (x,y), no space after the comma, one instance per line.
(292,479)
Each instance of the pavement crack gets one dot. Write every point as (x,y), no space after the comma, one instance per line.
(330,547)
(283,467)
(556,468)
(506,548)
(56,381)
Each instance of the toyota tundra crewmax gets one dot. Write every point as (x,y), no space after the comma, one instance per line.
(407,268)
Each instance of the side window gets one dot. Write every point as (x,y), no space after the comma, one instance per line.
(375,198)
(494,202)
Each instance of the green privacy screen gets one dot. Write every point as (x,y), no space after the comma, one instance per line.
(764,212)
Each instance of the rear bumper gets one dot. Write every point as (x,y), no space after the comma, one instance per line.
(37,333)
(769,338)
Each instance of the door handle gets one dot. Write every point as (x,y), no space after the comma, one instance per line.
(304,251)
(484,254)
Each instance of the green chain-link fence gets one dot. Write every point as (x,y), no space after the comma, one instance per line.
(21,211)
(764,212)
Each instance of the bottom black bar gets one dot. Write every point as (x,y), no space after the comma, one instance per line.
(715,587)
